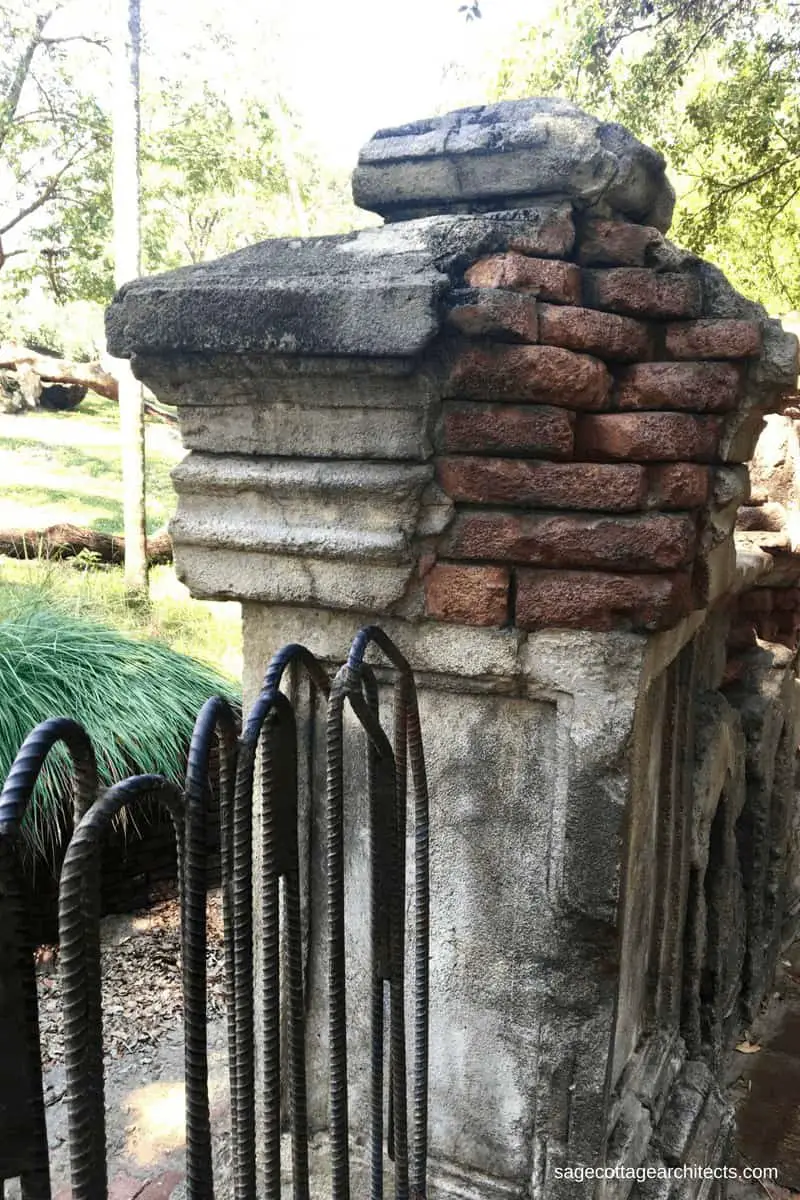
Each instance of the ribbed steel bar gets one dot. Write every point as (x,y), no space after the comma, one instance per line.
(241,1051)
(381,847)
(270,949)
(266,727)
(376,1091)
(407,742)
(80,975)
(419,1141)
(215,727)
(400,744)
(337,1010)
(283,801)
(387,905)
(14,800)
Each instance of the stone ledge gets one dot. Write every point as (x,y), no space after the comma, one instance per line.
(521,148)
(374,293)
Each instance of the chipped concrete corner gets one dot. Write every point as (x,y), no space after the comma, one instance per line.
(512,425)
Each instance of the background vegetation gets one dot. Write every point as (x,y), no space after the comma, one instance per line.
(715,85)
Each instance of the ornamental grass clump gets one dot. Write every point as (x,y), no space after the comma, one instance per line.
(137,700)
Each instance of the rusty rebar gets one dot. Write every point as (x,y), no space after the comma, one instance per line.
(419,1143)
(407,747)
(14,800)
(79,966)
(258,730)
(337,997)
(215,725)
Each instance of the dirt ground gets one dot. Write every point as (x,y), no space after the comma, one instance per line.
(143,1032)
(145,1102)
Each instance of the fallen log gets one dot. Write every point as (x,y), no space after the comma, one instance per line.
(68,541)
(91,375)
(60,370)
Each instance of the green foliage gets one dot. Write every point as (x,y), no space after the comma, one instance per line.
(53,137)
(72,329)
(137,700)
(221,166)
(66,466)
(717,89)
(211,176)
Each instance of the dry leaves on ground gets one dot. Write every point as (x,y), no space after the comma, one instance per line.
(142,997)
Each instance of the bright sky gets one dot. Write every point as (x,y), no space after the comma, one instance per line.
(349,67)
(357,65)
(346,67)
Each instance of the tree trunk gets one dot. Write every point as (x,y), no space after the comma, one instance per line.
(127,266)
(68,541)
(91,375)
(59,370)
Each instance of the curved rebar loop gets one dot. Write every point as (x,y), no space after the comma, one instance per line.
(215,725)
(14,800)
(408,751)
(355,684)
(334,880)
(266,724)
(386,896)
(79,936)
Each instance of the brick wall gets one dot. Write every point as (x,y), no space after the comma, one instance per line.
(583,436)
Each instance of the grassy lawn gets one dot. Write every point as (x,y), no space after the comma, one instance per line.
(65,467)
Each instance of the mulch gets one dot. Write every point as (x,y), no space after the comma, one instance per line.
(142,997)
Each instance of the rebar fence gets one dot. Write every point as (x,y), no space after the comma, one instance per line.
(254,776)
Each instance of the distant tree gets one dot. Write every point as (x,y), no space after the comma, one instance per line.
(52,131)
(223,161)
(127,266)
(716,87)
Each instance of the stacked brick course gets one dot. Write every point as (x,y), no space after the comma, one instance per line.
(582,436)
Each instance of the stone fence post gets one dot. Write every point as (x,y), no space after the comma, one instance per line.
(510,425)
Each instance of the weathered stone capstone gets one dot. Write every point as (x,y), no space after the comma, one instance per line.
(511,426)
(509,152)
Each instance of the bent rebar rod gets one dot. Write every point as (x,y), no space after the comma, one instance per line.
(267,724)
(408,750)
(215,726)
(79,937)
(14,800)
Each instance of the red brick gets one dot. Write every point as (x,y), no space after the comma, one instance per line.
(689,387)
(638,292)
(488,428)
(757,600)
(615,244)
(536,374)
(654,542)
(679,485)
(552,236)
(546,277)
(714,339)
(601,601)
(521,483)
(495,312)
(468,595)
(786,599)
(648,437)
(585,329)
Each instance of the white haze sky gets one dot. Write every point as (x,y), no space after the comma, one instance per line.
(355,66)
(346,67)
